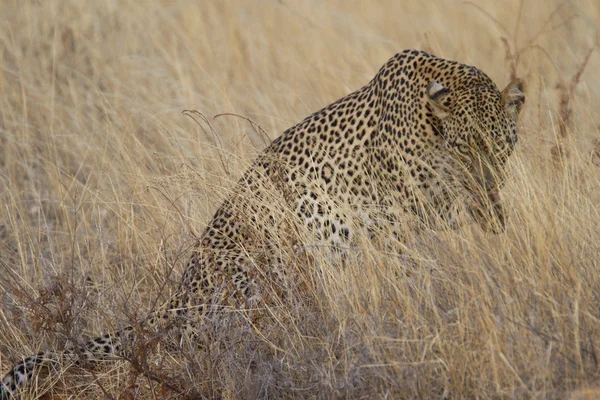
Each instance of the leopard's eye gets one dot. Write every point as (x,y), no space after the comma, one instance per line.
(463,149)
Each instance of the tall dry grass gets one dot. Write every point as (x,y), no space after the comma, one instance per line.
(104,186)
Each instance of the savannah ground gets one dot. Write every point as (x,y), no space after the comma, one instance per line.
(105,184)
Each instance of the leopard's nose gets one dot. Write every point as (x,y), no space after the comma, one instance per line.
(489,213)
(497,222)
(494,197)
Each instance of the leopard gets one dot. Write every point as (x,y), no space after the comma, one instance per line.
(425,139)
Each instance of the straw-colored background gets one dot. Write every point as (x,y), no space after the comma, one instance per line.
(104,183)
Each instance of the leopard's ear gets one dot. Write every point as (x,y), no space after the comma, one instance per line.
(513,98)
(440,98)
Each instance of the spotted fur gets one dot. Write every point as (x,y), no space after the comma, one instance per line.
(426,137)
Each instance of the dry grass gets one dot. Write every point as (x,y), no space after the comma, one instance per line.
(104,185)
